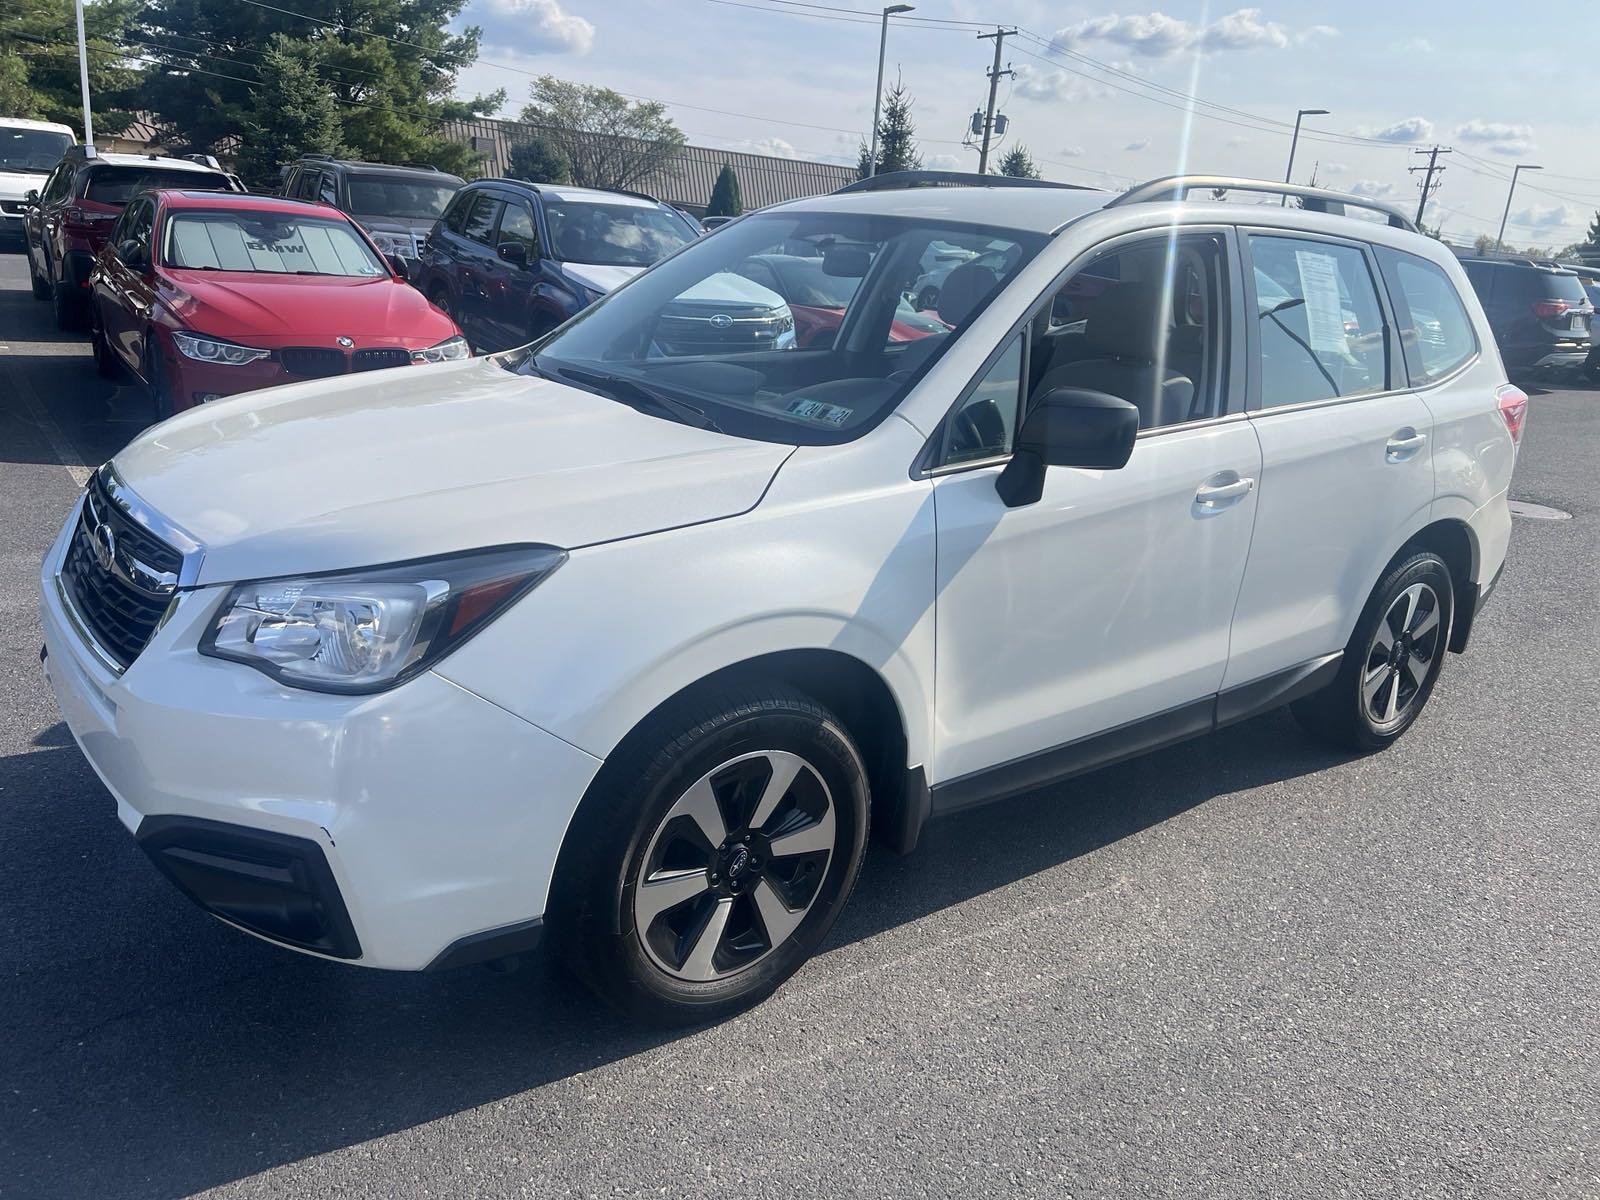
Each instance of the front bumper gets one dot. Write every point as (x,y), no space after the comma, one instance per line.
(416,827)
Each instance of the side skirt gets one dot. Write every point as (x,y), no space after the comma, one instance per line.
(1135,738)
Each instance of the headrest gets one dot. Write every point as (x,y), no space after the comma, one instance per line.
(963,290)
(1127,321)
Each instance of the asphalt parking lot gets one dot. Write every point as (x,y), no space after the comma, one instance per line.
(1247,966)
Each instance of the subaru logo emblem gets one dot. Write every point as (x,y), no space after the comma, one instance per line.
(721,321)
(344,341)
(738,862)
(104,546)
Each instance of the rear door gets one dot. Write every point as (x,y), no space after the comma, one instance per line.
(1347,464)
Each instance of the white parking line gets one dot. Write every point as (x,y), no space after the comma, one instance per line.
(36,410)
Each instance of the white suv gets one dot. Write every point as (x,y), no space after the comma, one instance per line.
(632,647)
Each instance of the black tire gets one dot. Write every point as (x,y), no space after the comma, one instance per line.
(41,285)
(155,377)
(69,307)
(1379,692)
(1591,365)
(718,745)
(440,299)
(105,362)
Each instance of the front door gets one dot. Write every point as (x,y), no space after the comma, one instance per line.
(1109,600)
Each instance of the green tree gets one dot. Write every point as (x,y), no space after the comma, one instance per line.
(1592,238)
(610,141)
(292,113)
(39,61)
(539,160)
(725,199)
(390,66)
(1018,163)
(897,133)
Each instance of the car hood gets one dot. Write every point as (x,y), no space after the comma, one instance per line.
(350,472)
(598,277)
(242,306)
(375,223)
(14,185)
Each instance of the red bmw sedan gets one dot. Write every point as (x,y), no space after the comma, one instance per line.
(202,295)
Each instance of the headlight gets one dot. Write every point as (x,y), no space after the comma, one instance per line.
(401,244)
(211,350)
(370,630)
(446,351)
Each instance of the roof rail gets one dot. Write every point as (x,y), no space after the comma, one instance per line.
(1177,187)
(419,166)
(205,160)
(898,180)
(320,157)
(535,185)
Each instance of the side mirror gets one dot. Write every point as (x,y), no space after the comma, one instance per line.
(513,252)
(31,196)
(398,265)
(129,251)
(1068,427)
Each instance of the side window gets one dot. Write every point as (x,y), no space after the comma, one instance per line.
(517,226)
(1436,333)
(135,224)
(455,217)
(306,188)
(1146,322)
(481,220)
(1321,326)
(983,424)
(328,190)
(58,185)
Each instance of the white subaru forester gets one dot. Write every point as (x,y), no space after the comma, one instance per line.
(631,647)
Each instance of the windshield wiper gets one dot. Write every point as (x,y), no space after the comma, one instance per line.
(642,396)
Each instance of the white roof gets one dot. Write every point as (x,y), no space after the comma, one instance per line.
(46,126)
(150,160)
(1041,209)
(594,196)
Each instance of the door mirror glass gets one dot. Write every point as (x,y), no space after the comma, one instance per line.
(131,252)
(513,252)
(398,266)
(1068,427)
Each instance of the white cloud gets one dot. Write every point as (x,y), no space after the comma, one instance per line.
(942,162)
(1033,83)
(1156,35)
(1498,137)
(1372,188)
(535,27)
(1072,152)
(1237,140)
(1412,129)
(1334,168)
(1315,33)
(1419,46)
(776,147)
(1543,218)
(1141,144)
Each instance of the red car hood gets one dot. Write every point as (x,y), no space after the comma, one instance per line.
(269,310)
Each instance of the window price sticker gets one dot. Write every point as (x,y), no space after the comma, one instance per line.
(1319,284)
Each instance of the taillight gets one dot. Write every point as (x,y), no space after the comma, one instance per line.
(1513,409)
(1545,309)
(87,216)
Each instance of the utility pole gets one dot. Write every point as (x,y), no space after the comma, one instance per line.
(877,96)
(83,79)
(1500,238)
(1428,184)
(999,35)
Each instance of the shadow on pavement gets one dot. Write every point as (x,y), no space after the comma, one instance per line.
(150,1051)
(93,417)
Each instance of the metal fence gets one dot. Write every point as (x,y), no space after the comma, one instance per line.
(687,179)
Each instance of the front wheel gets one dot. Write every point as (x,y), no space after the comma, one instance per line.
(105,361)
(1392,660)
(708,862)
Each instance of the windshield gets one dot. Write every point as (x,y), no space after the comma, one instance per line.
(116,185)
(613,235)
(33,151)
(732,330)
(400,196)
(267,244)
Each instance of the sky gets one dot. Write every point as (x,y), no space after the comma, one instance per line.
(1100,94)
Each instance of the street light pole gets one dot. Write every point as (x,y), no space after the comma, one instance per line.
(1288,175)
(83,78)
(877,96)
(1499,238)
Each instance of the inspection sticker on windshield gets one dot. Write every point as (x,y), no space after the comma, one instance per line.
(816,410)
(1319,284)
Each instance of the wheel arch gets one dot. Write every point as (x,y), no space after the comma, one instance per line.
(1453,540)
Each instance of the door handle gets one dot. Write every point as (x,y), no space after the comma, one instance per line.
(1404,444)
(1222,490)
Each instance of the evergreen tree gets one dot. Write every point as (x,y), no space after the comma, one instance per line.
(725,200)
(539,160)
(390,66)
(1592,238)
(1018,163)
(292,113)
(39,61)
(897,146)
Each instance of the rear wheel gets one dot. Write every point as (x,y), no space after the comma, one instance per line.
(708,862)
(1392,661)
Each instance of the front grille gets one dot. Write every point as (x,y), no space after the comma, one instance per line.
(119,576)
(376,360)
(313,362)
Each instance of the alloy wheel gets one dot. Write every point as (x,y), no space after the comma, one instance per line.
(735,865)
(1404,649)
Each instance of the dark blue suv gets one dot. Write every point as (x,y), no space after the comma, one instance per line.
(511,260)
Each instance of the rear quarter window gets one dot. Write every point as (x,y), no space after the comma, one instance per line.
(1436,334)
